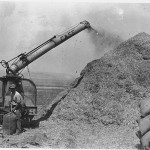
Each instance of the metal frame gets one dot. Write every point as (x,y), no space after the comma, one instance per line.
(5,109)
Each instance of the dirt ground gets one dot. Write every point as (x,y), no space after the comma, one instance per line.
(112,137)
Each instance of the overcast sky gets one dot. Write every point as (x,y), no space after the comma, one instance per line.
(25,25)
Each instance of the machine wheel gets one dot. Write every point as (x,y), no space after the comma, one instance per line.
(26,121)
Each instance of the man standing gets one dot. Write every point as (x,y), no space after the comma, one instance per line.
(17,106)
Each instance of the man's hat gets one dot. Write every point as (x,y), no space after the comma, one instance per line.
(12,86)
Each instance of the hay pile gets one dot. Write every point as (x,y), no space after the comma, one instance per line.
(101,107)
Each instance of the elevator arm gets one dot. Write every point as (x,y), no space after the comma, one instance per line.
(26,58)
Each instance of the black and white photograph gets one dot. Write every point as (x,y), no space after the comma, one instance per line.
(75,74)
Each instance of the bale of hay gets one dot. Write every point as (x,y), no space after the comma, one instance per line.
(144,124)
(145,107)
(9,124)
(145,141)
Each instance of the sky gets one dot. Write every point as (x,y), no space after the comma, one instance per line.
(25,25)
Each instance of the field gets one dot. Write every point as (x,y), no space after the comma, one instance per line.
(47,95)
(49,85)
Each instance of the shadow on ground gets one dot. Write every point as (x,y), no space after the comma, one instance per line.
(35,123)
(139,147)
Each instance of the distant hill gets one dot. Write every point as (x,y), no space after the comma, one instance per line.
(51,79)
(47,79)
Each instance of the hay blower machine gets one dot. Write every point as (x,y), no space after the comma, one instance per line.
(26,87)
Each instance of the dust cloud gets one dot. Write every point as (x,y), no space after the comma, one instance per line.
(103,40)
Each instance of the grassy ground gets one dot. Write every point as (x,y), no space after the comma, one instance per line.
(46,96)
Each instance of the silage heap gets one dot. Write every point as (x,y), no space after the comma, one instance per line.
(101,107)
